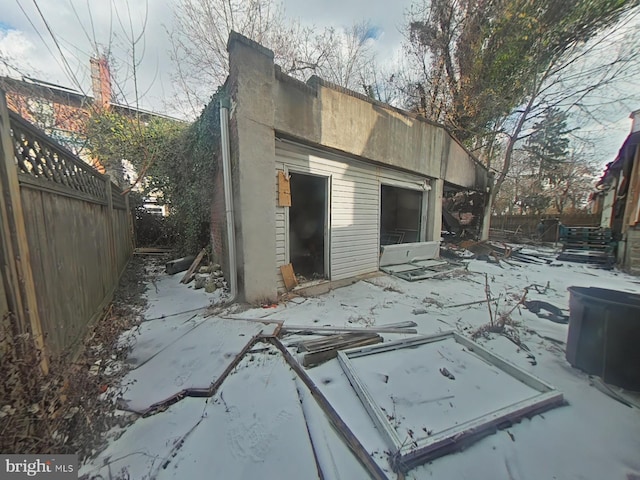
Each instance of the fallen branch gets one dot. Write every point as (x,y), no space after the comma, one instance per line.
(520,302)
(537,287)
(468,303)
(487,292)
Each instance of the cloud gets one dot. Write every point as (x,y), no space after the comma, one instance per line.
(82,29)
(15,51)
(78,24)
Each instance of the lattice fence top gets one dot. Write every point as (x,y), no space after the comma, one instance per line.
(41,157)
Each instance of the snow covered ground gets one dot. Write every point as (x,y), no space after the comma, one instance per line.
(263,422)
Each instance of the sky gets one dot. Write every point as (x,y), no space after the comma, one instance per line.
(36,55)
(27,44)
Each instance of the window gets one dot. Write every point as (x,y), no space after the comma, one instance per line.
(400,215)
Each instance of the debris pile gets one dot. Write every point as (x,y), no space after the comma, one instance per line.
(210,277)
(513,236)
(590,245)
(301,375)
(494,252)
(323,349)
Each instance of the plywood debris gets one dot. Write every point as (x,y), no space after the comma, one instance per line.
(284,190)
(178,368)
(152,251)
(348,437)
(288,276)
(324,349)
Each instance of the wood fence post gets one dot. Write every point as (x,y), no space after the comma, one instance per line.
(15,247)
(111,229)
(130,222)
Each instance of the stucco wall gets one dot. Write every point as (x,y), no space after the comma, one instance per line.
(252,140)
(327,115)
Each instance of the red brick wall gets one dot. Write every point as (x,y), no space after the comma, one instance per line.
(218,222)
(36,110)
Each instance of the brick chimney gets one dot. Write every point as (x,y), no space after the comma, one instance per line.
(101,81)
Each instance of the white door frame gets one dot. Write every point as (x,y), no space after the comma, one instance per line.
(327,220)
(423,189)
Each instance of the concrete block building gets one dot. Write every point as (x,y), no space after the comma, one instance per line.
(323,176)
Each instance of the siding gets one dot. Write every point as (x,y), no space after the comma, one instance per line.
(354,207)
(632,260)
(282,257)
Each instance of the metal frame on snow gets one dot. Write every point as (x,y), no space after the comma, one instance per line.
(406,456)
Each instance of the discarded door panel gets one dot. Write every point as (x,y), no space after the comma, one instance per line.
(420,273)
(408,252)
(423,414)
(413,261)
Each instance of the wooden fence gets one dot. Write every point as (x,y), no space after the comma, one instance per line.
(525,225)
(66,237)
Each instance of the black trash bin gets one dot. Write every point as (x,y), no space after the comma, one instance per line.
(604,335)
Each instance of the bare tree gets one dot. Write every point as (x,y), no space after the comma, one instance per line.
(199,40)
(490,70)
(586,79)
(202,27)
(560,186)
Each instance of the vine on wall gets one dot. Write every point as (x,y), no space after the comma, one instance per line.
(174,161)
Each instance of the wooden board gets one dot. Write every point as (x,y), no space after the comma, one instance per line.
(194,266)
(152,250)
(316,357)
(288,276)
(333,341)
(179,265)
(348,437)
(314,329)
(284,190)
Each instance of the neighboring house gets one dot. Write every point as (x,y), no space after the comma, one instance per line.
(62,113)
(324,176)
(617,197)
